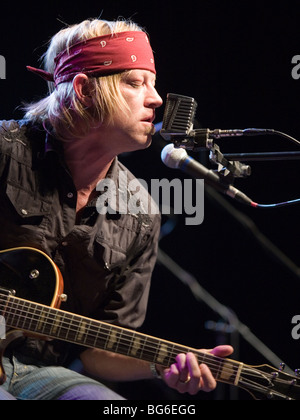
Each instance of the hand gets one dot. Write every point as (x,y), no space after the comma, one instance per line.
(186,375)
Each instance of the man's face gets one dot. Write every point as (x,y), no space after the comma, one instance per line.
(134,129)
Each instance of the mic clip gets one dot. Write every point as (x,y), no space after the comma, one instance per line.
(195,141)
(201,139)
(226,167)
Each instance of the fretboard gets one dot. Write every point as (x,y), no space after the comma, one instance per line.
(58,324)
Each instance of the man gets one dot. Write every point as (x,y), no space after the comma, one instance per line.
(101,103)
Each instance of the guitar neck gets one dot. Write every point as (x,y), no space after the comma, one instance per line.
(55,323)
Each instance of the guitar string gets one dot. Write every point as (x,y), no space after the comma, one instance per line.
(267,389)
(151,349)
(210,363)
(122,341)
(232,370)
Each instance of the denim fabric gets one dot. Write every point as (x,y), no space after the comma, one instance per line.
(26,381)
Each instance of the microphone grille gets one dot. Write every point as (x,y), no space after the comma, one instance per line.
(172,156)
(178,116)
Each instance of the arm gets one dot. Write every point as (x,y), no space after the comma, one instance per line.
(114,367)
(185,375)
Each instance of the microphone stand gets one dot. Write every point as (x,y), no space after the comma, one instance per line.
(267,156)
(235,326)
(202,295)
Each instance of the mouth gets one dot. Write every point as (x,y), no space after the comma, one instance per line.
(149,119)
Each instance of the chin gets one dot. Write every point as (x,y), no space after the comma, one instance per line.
(143,143)
(147,143)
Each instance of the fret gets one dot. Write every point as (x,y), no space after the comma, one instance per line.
(11,313)
(85,336)
(18,315)
(81,331)
(61,331)
(107,341)
(101,338)
(148,349)
(219,371)
(124,342)
(3,303)
(56,324)
(29,320)
(112,339)
(73,328)
(32,321)
(171,358)
(29,317)
(41,321)
(135,345)
(162,353)
(228,371)
(92,334)
(49,320)
(66,332)
(119,348)
(201,357)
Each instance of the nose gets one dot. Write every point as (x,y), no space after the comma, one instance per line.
(154,100)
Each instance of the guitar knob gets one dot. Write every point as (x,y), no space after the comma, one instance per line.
(34,274)
(63,297)
(281,367)
(297,372)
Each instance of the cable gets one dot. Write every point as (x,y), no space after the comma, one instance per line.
(270,206)
(279,133)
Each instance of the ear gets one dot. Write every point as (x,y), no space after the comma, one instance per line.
(81,88)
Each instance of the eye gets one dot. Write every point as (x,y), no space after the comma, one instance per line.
(136,83)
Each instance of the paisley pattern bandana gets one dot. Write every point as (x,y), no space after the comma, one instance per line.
(100,56)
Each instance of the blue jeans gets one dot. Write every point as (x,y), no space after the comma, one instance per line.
(28,381)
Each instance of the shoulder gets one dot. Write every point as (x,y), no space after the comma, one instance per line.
(12,133)
(10,129)
(17,138)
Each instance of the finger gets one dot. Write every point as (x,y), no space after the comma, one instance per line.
(222,351)
(208,382)
(182,368)
(194,384)
(171,376)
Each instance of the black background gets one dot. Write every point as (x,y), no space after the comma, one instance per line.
(235,59)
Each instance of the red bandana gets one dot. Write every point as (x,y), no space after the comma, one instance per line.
(102,55)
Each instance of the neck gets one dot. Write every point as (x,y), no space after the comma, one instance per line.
(87,161)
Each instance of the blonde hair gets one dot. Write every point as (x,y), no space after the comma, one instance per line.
(61,107)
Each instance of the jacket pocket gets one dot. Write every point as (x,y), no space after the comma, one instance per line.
(25,204)
(112,256)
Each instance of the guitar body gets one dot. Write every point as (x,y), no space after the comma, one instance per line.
(31,275)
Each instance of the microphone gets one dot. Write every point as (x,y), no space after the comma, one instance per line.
(177,158)
(178,122)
